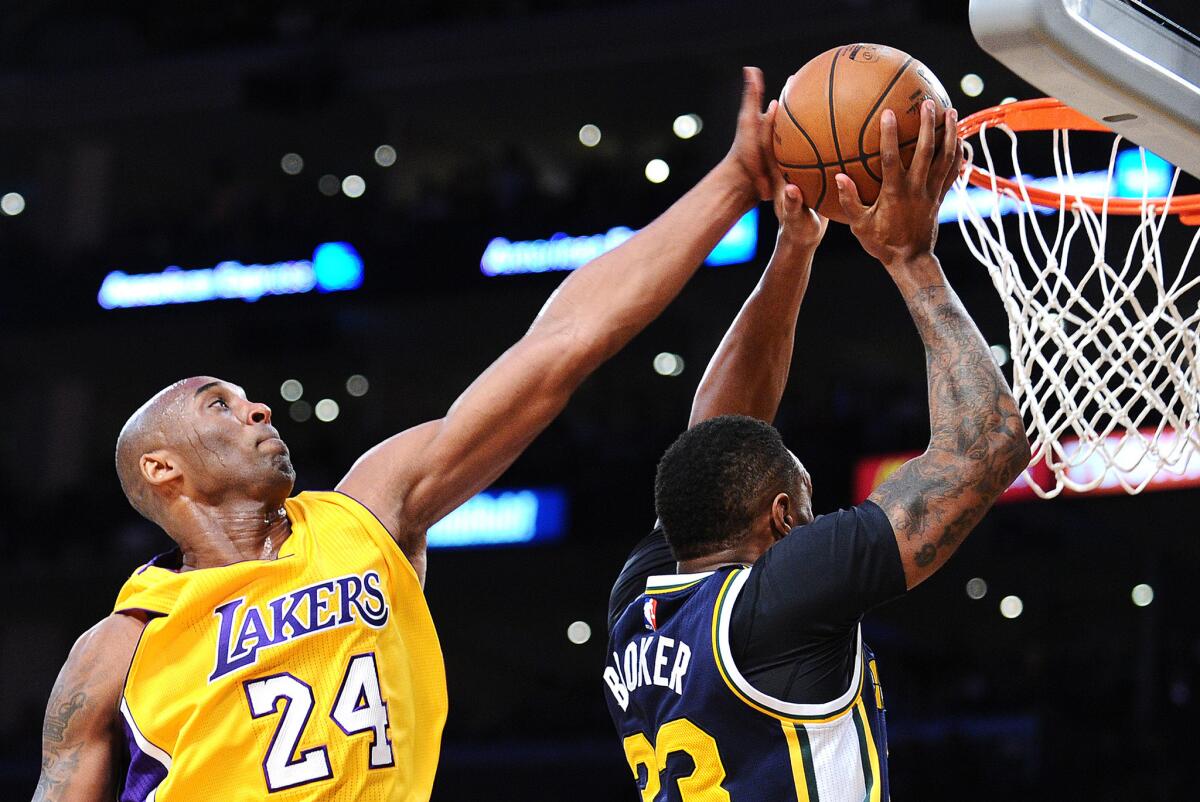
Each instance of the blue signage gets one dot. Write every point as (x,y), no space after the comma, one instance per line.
(1129,180)
(562,252)
(334,266)
(504,518)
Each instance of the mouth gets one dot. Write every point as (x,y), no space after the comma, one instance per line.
(271,437)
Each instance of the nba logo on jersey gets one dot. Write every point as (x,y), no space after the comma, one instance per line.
(650,610)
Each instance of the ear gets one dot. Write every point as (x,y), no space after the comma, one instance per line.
(159,467)
(782,515)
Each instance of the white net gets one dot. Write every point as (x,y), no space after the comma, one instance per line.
(1103,330)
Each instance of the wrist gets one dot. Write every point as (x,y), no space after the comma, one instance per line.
(733,177)
(915,270)
(790,254)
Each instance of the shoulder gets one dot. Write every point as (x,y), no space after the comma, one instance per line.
(649,557)
(835,535)
(344,511)
(94,673)
(108,646)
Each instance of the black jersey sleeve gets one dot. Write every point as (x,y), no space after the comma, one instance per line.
(793,626)
(650,557)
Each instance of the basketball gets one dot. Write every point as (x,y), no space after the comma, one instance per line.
(828,119)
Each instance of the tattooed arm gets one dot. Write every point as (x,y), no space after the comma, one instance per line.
(977,443)
(82,731)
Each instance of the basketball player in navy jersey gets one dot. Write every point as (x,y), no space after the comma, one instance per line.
(737,669)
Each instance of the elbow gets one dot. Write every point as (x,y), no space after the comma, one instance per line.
(1019,452)
(1009,458)
(572,348)
(1024,452)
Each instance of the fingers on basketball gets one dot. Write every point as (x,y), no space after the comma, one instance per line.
(889,153)
(923,159)
(952,152)
(852,205)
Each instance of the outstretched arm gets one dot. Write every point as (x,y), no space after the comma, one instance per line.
(749,369)
(415,478)
(977,443)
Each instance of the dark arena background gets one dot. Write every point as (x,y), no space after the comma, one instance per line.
(418,137)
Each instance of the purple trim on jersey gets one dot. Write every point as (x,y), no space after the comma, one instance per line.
(150,614)
(161,560)
(144,773)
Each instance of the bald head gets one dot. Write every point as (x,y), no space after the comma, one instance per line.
(201,442)
(154,426)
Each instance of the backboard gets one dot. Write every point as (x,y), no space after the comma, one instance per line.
(1117,61)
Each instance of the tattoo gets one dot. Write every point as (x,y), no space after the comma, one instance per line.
(60,754)
(58,719)
(977,444)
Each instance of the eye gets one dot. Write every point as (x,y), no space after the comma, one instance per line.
(219,401)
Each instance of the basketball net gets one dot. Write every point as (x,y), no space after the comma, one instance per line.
(1102,332)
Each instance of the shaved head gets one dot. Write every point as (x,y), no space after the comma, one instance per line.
(147,430)
(208,435)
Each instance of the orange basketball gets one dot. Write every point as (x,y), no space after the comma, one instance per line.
(828,119)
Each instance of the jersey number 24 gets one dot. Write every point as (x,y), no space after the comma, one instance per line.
(359,707)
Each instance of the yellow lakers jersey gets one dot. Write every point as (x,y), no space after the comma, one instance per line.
(313,676)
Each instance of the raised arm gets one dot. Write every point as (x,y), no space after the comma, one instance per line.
(749,369)
(415,478)
(81,735)
(977,443)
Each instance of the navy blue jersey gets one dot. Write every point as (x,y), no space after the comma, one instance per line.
(699,704)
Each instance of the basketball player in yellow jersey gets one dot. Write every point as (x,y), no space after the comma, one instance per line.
(284,650)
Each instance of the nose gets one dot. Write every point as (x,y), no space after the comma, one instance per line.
(259,413)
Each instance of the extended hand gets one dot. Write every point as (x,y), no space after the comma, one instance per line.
(752,152)
(902,224)
(799,226)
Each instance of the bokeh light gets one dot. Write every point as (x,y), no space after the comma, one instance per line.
(589,136)
(291,390)
(687,126)
(300,411)
(327,410)
(1011,606)
(329,185)
(971,85)
(657,171)
(354,186)
(668,364)
(579,633)
(385,155)
(12,204)
(292,163)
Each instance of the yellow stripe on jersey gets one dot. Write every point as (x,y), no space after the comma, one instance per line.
(672,588)
(871,758)
(800,756)
(318,673)
(716,650)
(875,682)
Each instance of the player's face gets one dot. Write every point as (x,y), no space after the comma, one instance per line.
(802,493)
(227,444)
